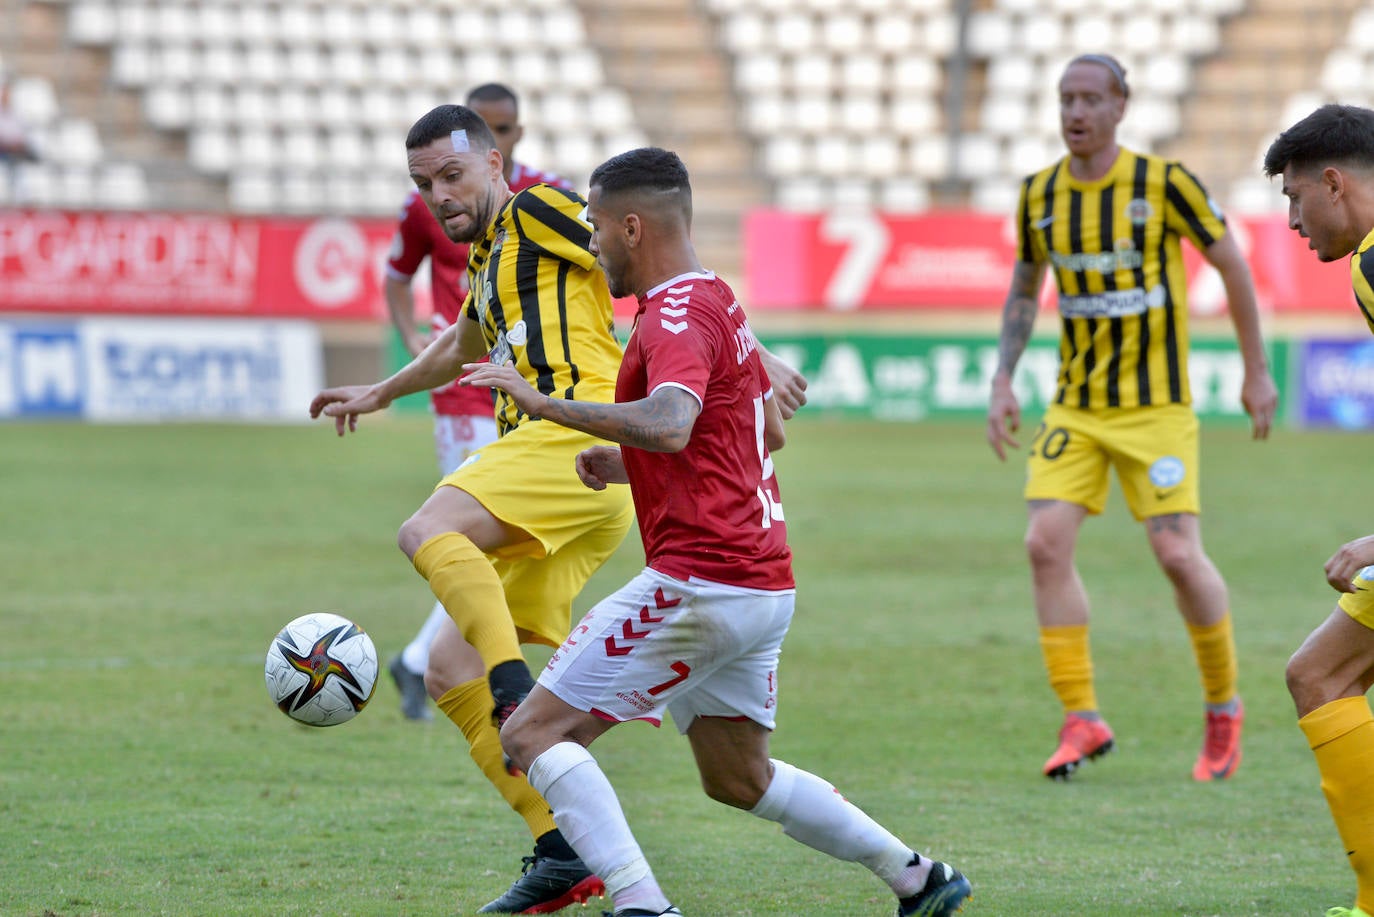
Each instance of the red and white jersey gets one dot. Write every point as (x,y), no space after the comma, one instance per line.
(713,510)
(419,236)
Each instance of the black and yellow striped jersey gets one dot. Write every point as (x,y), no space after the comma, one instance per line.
(542,301)
(1113,247)
(1362,279)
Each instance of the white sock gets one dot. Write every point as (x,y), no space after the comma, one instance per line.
(416,654)
(589,815)
(814,813)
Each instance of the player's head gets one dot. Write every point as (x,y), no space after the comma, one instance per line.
(1092,102)
(637,201)
(500,108)
(1327,164)
(456,166)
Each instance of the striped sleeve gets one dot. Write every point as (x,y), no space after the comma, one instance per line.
(1025,247)
(1189,210)
(552,220)
(1362,280)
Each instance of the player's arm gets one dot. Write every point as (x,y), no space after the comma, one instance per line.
(1018,320)
(400,305)
(774,435)
(662,422)
(438,364)
(789,386)
(1258,393)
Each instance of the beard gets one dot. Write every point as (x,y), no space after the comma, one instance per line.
(479,220)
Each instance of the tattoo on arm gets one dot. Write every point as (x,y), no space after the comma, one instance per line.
(1018,315)
(660,423)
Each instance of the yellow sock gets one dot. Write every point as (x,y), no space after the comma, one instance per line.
(1214,645)
(464,580)
(469,707)
(1070,665)
(1341,734)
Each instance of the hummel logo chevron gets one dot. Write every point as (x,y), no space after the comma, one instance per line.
(627,630)
(674,327)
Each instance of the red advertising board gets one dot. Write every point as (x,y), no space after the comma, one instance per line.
(845,261)
(190,264)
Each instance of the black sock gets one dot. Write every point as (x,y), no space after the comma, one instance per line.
(553,845)
(512,677)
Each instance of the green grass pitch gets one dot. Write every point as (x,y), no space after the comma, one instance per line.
(144,771)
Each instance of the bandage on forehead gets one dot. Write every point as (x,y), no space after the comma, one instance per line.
(459,139)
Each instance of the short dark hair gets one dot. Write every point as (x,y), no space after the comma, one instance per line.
(493,92)
(443,121)
(1332,133)
(645,169)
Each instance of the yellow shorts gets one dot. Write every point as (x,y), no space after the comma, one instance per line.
(1360,605)
(527,479)
(1154,451)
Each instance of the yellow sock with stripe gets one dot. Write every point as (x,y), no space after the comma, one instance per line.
(1069,663)
(1341,734)
(1214,645)
(469,707)
(463,579)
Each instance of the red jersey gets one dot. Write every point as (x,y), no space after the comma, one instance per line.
(713,510)
(419,236)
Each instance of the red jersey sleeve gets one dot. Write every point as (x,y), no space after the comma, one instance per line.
(413,241)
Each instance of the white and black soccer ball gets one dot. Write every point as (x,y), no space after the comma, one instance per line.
(321,669)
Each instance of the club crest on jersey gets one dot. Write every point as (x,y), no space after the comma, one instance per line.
(1139,211)
(1167,472)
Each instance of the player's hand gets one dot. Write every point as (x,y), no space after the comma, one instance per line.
(789,386)
(1352,557)
(1260,397)
(1004,417)
(508,379)
(601,465)
(345,403)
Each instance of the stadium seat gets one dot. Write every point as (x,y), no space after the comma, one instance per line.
(903,195)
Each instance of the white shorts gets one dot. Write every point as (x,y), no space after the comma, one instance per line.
(694,648)
(456,436)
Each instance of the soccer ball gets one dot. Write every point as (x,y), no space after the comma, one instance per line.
(321,669)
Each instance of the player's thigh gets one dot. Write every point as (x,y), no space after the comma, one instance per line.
(451,509)
(657,642)
(1155,453)
(1337,659)
(528,480)
(540,591)
(1066,460)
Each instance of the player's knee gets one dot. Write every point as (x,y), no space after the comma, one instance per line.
(1306,683)
(1046,549)
(414,532)
(741,791)
(437,681)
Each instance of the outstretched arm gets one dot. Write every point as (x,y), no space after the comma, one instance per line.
(1258,393)
(1018,319)
(438,364)
(661,422)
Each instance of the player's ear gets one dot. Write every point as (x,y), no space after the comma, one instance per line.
(495,161)
(634,229)
(1333,179)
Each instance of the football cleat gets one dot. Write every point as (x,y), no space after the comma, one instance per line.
(1220,754)
(1346,912)
(1080,739)
(414,697)
(944,893)
(640,912)
(547,885)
